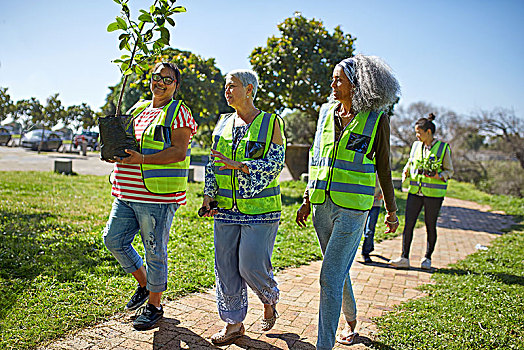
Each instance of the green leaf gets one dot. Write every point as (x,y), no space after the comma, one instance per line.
(128,71)
(121,23)
(145,17)
(148,35)
(157,46)
(164,35)
(112,27)
(123,42)
(123,35)
(179,9)
(143,47)
(170,21)
(125,9)
(138,69)
(117,1)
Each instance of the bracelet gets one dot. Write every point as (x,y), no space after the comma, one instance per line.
(393,222)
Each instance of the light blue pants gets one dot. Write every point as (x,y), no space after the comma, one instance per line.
(339,231)
(243,256)
(153,220)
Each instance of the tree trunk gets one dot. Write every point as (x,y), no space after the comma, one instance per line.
(520,157)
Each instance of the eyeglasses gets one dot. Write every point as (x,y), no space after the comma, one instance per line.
(166,80)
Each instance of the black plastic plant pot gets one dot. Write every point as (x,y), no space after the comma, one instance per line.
(114,139)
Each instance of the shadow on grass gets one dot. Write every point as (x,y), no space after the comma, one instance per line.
(36,244)
(501,277)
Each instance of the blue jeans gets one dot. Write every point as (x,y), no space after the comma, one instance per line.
(369,231)
(153,220)
(243,257)
(339,231)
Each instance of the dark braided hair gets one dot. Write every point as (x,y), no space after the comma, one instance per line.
(427,123)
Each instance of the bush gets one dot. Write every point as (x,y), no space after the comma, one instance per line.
(503,177)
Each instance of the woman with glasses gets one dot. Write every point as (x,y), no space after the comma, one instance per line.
(248,151)
(149,186)
(351,144)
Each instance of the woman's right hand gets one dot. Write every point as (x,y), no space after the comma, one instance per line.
(303,213)
(205,203)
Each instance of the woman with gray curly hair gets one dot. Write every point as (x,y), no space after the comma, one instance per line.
(351,144)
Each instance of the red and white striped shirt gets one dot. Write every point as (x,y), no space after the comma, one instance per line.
(128,183)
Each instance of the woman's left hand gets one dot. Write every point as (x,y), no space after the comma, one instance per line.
(436,176)
(391,222)
(134,158)
(228,163)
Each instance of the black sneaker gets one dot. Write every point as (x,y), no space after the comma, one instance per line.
(367,259)
(138,299)
(150,315)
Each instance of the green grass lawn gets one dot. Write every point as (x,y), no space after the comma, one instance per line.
(477,303)
(57,276)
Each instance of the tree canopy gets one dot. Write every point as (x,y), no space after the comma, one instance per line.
(295,68)
(7,106)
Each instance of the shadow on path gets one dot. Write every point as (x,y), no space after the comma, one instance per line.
(452,217)
(169,336)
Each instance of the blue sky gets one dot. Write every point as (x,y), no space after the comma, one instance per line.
(463,55)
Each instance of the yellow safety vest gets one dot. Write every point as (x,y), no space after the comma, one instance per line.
(162,178)
(254,145)
(341,168)
(418,181)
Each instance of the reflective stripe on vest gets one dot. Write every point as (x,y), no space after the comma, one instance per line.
(162,178)
(257,138)
(341,168)
(429,187)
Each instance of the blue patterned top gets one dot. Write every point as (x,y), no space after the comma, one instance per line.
(261,173)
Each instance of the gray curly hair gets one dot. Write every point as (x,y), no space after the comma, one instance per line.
(376,88)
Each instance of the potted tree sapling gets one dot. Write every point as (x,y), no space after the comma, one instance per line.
(141,39)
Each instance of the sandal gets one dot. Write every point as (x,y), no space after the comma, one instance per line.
(268,323)
(347,338)
(222,338)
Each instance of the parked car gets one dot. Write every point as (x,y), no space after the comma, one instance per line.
(32,139)
(5,135)
(90,136)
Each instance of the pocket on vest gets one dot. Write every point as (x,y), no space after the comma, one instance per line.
(358,143)
(254,150)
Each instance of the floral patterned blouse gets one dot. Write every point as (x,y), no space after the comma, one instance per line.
(261,173)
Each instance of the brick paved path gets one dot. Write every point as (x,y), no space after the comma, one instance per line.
(190,321)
